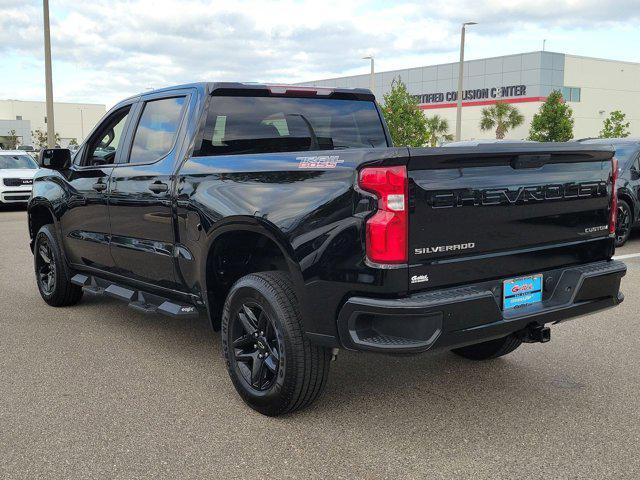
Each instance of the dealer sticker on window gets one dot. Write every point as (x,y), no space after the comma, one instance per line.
(518,292)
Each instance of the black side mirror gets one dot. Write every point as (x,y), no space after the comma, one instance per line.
(55,158)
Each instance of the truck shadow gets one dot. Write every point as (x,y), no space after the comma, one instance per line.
(358,382)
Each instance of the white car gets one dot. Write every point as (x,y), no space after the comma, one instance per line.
(17,170)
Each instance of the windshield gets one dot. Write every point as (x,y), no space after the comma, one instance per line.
(17,161)
(241,125)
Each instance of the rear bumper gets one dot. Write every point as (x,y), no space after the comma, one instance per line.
(455,317)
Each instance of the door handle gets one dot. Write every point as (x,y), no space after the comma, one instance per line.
(159,187)
(99,186)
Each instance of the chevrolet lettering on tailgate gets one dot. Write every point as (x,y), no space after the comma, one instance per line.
(508,196)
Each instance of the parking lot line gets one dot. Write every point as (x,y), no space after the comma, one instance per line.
(629,255)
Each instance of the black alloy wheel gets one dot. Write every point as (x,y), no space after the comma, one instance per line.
(274,368)
(256,349)
(53,276)
(45,267)
(623,223)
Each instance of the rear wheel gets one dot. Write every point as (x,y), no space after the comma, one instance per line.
(623,224)
(52,274)
(491,349)
(274,368)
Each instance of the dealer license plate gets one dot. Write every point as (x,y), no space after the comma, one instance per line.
(518,292)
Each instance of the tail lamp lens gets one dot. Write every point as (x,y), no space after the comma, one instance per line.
(387,229)
(613,213)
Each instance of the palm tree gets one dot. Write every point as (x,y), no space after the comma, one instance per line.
(502,116)
(437,128)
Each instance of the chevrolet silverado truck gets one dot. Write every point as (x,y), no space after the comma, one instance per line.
(286,215)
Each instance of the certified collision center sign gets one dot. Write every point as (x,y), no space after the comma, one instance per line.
(493,93)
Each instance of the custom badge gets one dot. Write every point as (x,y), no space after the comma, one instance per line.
(599,228)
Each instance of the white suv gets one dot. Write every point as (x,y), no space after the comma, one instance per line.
(17,169)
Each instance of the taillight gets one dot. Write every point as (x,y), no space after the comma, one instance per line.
(613,213)
(387,229)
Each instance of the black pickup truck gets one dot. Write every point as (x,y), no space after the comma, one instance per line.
(286,215)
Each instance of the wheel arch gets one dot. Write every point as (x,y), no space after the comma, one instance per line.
(39,213)
(267,248)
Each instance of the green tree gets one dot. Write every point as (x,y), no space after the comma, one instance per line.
(40,138)
(437,130)
(614,126)
(12,140)
(502,116)
(73,142)
(407,124)
(553,122)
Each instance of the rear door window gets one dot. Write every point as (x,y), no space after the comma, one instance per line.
(157,128)
(249,125)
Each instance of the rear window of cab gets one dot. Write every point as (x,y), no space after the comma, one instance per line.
(251,125)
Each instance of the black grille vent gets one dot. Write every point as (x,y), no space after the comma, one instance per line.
(17,182)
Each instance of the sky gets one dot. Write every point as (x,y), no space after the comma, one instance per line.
(104,51)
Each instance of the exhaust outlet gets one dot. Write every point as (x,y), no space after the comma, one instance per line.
(537,334)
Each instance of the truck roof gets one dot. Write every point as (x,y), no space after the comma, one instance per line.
(609,141)
(276,89)
(476,143)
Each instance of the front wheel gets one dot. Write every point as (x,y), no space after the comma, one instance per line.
(273,367)
(52,274)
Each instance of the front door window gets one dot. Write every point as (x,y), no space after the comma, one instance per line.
(103,147)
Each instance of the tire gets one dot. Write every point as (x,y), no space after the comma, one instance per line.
(52,273)
(624,223)
(491,349)
(261,317)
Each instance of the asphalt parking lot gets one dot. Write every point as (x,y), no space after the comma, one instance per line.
(100,391)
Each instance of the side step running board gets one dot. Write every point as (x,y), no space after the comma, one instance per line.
(137,299)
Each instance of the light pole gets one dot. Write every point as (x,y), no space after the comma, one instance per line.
(51,135)
(460,77)
(372,77)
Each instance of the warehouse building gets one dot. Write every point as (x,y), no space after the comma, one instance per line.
(72,120)
(593,87)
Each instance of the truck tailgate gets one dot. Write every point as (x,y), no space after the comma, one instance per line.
(496,211)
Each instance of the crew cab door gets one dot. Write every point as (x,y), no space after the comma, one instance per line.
(85,218)
(142,235)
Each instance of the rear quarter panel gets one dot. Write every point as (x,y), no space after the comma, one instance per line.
(310,207)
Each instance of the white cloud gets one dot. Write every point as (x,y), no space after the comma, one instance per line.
(105,50)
